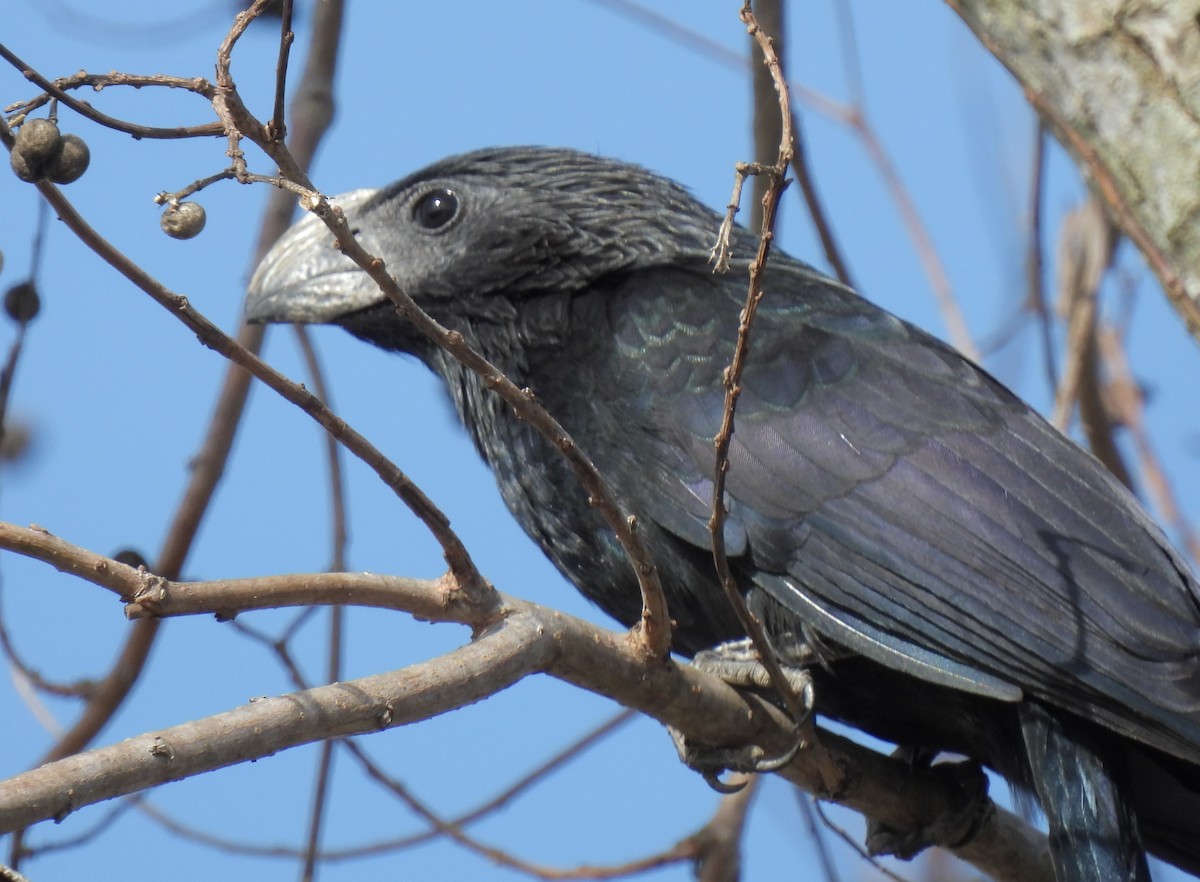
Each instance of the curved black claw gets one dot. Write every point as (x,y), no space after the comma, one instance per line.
(713,779)
(774,765)
(711,762)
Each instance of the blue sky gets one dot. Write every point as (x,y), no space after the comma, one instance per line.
(116,392)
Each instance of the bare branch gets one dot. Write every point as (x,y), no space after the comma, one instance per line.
(208,467)
(484,809)
(58,90)
(525,638)
(268,725)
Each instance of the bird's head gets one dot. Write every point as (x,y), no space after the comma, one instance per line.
(472,236)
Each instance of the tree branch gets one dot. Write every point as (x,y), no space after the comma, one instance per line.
(1117,87)
(514,638)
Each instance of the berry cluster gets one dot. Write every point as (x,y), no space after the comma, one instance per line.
(41,153)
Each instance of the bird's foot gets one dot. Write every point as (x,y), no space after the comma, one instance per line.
(950,829)
(737,664)
(711,762)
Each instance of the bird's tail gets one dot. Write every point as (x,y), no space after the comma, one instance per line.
(1079,780)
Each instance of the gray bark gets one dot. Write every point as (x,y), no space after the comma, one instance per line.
(1118,82)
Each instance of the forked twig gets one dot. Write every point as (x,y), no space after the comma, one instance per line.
(732,377)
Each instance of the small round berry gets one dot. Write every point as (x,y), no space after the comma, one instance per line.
(39,141)
(22,302)
(22,168)
(182,220)
(72,162)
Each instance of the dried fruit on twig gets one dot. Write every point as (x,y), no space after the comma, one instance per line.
(72,160)
(38,145)
(21,167)
(182,220)
(39,140)
(22,302)
(41,153)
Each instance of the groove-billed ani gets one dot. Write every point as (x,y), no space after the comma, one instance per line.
(987,587)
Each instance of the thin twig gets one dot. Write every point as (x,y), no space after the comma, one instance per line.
(1086,245)
(1127,398)
(808,810)
(213,337)
(8,372)
(956,324)
(766,121)
(194,187)
(277,128)
(685,850)
(720,840)
(841,834)
(336,615)
(57,90)
(724,437)
(855,120)
(208,465)
(21,669)
(324,773)
(816,208)
(1035,288)
(653,631)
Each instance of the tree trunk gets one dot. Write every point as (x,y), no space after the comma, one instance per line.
(1118,82)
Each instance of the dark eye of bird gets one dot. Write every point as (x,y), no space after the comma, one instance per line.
(435,209)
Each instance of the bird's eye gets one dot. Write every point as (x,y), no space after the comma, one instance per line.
(436,209)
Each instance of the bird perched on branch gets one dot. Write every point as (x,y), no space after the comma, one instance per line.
(975,582)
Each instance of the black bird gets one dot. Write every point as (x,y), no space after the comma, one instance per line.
(987,588)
